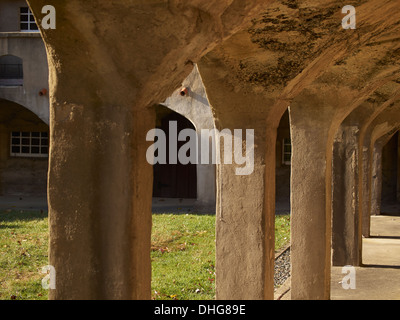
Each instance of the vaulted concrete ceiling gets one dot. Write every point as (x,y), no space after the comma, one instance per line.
(294,45)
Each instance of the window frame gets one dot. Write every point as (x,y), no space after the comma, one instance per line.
(22,135)
(29,22)
(285,143)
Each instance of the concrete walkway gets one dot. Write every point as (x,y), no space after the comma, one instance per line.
(379,277)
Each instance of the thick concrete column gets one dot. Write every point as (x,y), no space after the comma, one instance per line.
(245,233)
(365,200)
(345,197)
(376,185)
(100,233)
(245,226)
(105,72)
(311,120)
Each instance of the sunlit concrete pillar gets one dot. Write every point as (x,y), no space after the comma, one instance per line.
(310,120)
(345,197)
(245,234)
(105,73)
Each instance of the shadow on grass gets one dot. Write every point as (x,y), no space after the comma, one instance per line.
(8,217)
(173,211)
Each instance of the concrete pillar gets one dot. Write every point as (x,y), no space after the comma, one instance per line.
(365,187)
(100,233)
(104,76)
(245,233)
(245,226)
(313,127)
(376,186)
(345,197)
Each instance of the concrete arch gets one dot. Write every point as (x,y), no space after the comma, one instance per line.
(30,48)
(377,126)
(196,108)
(350,173)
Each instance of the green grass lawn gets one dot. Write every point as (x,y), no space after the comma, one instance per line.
(182,253)
(23,253)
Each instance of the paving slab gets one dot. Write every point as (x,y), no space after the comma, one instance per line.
(385,226)
(371,283)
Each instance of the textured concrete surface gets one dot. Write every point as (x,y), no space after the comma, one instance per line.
(379,278)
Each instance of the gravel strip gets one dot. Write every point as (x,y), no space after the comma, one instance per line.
(282,268)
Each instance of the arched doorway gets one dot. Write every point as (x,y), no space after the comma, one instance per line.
(24,149)
(174,180)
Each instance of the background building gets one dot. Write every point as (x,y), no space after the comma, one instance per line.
(24,103)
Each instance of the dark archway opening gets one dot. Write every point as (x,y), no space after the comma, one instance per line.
(174,180)
(390,198)
(24,149)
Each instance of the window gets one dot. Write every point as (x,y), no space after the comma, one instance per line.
(287,152)
(27,21)
(30,144)
(11,71)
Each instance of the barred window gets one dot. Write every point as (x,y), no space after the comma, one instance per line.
(27,21)
(30,144)
(11,71)
(287,152)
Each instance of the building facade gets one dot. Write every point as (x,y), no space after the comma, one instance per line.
(24,103)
